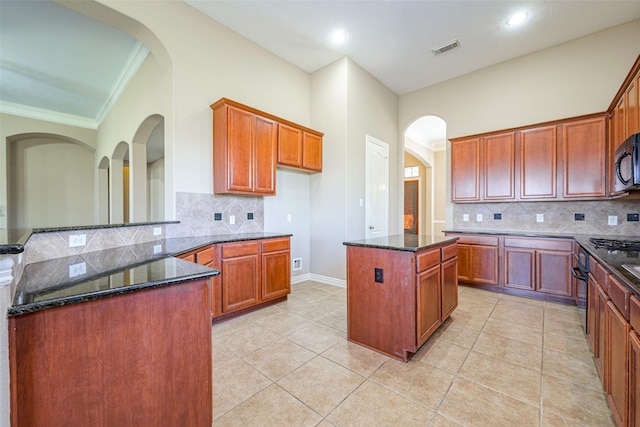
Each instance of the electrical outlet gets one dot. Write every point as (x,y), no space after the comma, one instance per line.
(633,217)
(379,275)
(250,216)
(288,217)
(539,217)
(76,240)
(497,216)
(465,217)
(77,269)
(157,231)
(579,217)
(217,216)
(232,219)
(613,220)
(479,217)
(297,264)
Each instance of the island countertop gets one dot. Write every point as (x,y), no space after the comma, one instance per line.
(93,275)
(403,242)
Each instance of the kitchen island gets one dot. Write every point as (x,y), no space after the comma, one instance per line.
(400,289)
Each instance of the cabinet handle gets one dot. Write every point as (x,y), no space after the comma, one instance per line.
(371,227)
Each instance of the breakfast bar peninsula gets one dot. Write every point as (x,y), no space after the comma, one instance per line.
(400,289)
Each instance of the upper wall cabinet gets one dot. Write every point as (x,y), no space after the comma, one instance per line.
(248,144)
(299,147)
(244,151)
(559,161)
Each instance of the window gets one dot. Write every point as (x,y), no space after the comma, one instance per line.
(411,171)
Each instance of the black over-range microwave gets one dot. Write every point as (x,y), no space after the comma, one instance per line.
(627,164)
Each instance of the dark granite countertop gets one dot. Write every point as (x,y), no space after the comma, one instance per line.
(100,274)
(403,242)
(612,261)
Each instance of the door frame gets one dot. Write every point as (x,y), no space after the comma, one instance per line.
(370,142)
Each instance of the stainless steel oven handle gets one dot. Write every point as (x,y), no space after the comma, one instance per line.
(577,273)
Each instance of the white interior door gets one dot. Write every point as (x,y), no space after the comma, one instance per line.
(377,188)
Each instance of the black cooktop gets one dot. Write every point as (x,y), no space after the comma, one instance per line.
(615,244)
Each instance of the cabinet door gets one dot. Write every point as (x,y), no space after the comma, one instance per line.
(312,152)
(289,146)
(465,170)
(519,268)
(499,167)
(633,113)
(464,262)
(276,281)
(616,364)
(484,265)
(584,158)
(592,313)
(538,163)
(449,292)
(427,304)
(634,379)
(601,321)
(239,283)
(239,150)
(553,272)
(264,160)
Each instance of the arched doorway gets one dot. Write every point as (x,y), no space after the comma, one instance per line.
(50,182)
(425,176)
(147,171)
(119,185)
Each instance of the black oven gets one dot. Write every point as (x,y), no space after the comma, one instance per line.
(580,273)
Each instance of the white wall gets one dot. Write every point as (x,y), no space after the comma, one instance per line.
(572,79)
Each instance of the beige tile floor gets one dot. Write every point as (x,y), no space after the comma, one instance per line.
(499,361)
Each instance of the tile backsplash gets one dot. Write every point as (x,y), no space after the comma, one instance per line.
(197,215)
(557,217)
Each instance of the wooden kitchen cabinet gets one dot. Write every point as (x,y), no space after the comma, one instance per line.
(634,379)
(204,256)
(483,169)
(465,170)
(477,259)
(244,150)
(617,342)
(417,290)
(541,265)
(299,148)
(584,158)
(538,163)
(276,274)
(601,342)
(240,272)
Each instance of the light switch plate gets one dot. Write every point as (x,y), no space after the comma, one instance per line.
(157,231)
(613,220)
(539,217)
(232,219)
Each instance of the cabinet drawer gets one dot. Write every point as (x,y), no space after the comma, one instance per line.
(426,259)
(450,251)
(619,294)
(275,245)
(239,249)
(634,313)
(548,244)
(599,273)
(205,256)
(478,240)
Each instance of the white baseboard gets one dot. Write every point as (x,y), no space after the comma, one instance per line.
(318,278)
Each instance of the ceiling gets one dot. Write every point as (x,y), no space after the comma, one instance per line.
(55,60)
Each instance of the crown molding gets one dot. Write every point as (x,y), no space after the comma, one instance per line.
(47,115)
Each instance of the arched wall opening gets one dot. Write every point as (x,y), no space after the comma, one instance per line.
(425,168)
(46,175)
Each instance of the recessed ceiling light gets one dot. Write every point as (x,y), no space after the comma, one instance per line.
(517,19)
(338,36)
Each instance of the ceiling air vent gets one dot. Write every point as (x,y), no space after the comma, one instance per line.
(445,47)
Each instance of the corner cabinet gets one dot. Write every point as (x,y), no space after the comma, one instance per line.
(418,290)
(244,150)
(248,144)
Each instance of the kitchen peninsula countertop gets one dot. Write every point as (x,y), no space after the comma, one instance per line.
(93,275)
(403,242)
(611,260)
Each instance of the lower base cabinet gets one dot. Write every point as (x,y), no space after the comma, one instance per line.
(634,379)
(396,312)
(617,369)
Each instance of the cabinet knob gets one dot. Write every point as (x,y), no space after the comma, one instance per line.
(371,227)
